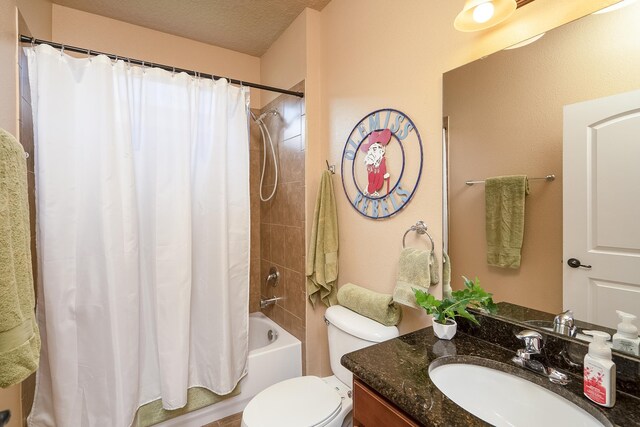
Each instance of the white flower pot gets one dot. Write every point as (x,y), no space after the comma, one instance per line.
(445,332)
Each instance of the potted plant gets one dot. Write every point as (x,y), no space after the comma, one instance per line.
(445,311)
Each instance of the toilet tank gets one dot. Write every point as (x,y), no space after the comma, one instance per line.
(348,331)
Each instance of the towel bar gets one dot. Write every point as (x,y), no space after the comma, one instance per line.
(546,178)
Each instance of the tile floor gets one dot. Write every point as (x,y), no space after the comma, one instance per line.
(234,420)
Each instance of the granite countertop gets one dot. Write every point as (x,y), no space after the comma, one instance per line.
(398,370)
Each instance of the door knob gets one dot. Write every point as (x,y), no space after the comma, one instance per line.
(575,263)
(5,416)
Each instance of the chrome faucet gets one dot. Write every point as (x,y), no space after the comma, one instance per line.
(264,303)
(564,324)
(533,346)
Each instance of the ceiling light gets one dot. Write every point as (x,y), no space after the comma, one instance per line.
(525,42)
(480,14)
(616,6)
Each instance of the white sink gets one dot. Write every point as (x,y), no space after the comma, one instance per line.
(503,399)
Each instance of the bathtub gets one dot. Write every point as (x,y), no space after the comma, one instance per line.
(273,357)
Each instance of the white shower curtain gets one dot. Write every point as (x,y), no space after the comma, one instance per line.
(142,181)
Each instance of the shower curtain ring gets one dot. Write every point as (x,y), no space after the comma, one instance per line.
(33,42)
(61,50)
(173,72)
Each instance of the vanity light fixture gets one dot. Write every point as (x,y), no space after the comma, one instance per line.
(478,15)
(619,5)
(525,42)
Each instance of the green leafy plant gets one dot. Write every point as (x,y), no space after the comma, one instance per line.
(457,303)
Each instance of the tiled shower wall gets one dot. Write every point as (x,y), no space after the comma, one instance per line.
(282,236)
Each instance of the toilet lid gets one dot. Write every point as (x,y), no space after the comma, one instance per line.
(302,401)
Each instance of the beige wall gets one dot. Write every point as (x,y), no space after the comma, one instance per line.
(9,64)
(377,53)
(503,126)
(37,15)
(77,28)
(284,63)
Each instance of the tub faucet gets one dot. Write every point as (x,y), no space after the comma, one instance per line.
(264,303)
(533,346)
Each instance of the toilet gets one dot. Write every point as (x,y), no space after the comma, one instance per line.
(311,401)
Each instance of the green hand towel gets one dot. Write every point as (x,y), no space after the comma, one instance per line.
(322,259)
(19,336)
(414,272)
(504,203)
(374,305)
(433,269)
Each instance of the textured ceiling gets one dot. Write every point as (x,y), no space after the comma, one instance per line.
(248,26)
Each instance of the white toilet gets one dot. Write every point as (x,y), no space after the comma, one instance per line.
(319,402)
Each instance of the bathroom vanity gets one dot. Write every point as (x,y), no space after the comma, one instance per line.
(392,385)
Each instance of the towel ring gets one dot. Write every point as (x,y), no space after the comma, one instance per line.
(420,228)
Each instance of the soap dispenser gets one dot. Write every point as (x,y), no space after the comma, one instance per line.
(626,339)
(599,371)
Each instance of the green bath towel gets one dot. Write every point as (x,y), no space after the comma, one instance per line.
(376,306)
(19,336)
(504,204)
(322,260)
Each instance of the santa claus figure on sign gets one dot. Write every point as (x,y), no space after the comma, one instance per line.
(375,161)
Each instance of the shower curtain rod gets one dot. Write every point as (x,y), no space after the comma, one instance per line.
(34,41)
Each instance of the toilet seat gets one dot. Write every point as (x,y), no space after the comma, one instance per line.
(303,401)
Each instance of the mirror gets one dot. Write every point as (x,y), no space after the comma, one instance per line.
(508,114)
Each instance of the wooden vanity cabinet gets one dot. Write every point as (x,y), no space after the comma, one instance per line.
(372,410)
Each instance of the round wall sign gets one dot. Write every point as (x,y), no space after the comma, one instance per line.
(382,163)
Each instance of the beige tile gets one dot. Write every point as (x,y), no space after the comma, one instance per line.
(265,241)
(294,325)
(295,298)
(254,286)
(255,237)
(292,107)
(292,160)
(281,211)
(277,239)
(255,163)
(304,358)
(296,192)
(294,249)
(275,313)
(266,208)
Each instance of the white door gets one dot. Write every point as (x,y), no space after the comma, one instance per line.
(601,192)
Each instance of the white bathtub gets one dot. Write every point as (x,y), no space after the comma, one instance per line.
(268,363)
